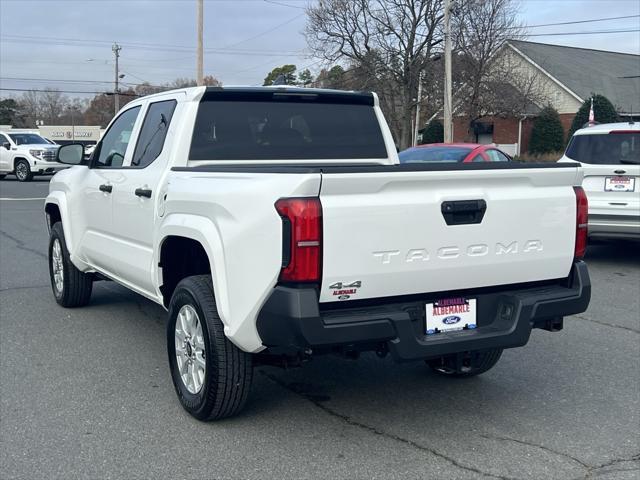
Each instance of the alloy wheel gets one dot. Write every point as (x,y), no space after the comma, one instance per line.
(190,349)
(21,171)
(57,266)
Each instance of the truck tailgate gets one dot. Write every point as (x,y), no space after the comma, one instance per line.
(386,233)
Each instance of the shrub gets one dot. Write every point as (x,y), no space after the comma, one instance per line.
(603,112)
(434,133)
(547,135)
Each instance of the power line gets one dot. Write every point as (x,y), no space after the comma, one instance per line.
(65,91)
(265,32)
(274,2)
(582,21)
(596,32)
(139,46)
(59,80)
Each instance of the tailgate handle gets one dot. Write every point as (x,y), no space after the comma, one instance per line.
(463,212)
(620,172)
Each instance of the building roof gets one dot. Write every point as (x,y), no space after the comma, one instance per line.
(584,71)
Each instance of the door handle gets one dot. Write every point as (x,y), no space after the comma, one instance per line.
(463,212)
(106,188)
(143,192)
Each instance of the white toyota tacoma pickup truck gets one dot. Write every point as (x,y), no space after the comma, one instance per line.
(275,224)
(26,154)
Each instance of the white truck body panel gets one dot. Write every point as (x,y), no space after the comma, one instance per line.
(379,227)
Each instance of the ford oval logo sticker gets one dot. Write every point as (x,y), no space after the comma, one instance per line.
(451,320)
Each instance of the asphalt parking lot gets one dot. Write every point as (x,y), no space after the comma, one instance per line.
(86,393)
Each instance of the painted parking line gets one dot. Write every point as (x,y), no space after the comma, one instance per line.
(9,199)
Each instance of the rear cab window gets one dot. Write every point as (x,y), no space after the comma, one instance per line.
(286,126)
(614,148)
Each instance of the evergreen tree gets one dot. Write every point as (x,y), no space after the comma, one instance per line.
(8,111)
(305,78)
(434,133)
(603,111)
(288,73)
(547,135)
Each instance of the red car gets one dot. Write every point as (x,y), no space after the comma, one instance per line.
(453,152)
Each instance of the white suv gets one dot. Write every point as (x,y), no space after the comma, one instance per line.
(26,154)
(610,157)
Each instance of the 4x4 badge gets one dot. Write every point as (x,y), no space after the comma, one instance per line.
(340,285)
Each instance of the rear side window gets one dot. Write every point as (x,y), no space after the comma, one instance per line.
(605,149)
(291,129)
(496,156)
(153,132)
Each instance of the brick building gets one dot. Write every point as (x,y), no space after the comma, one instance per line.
(567,76)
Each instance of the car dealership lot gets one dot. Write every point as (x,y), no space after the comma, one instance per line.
(86,393)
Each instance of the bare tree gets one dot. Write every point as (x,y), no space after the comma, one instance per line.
(388,42)
(53,105)
(29,109)
(486,78)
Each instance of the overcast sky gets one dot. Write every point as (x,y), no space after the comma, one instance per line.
(71,40)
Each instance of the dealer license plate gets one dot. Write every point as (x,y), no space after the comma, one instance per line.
(450,314)
(619,184)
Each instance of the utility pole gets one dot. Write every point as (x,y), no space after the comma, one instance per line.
(73,124)
(199,56)
(116,51)
(448,126)
(417,124)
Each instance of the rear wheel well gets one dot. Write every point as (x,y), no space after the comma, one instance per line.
(181,257)
(53,214)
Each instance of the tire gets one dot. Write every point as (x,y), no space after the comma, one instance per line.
(23,171)
(72,288)
(2,175)
(217,374)
(468,364)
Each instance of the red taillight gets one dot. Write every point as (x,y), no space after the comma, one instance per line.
(302,237)
(582,218)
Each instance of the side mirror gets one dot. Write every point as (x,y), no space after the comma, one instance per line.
(71,154)
(7,145)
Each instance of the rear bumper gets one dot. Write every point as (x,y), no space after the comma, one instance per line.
(614,226)
(291,321)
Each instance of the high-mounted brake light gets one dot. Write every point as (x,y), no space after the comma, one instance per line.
(302,239)
(582,218)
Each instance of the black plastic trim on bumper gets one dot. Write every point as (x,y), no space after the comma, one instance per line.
(291,320)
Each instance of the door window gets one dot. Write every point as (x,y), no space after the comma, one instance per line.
(497,156)
(114,143)
(153,132)
(478,158)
